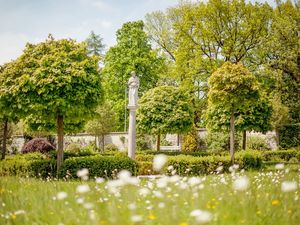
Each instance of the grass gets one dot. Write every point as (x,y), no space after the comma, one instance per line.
(169,200)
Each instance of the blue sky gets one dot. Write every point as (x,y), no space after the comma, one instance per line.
(23,21)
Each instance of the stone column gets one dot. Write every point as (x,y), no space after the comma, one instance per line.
(133,85)
(132,132)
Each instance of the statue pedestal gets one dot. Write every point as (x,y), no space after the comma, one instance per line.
(132,131)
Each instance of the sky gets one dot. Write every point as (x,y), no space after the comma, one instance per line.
(23,21)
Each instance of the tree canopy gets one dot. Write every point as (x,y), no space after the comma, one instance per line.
(58,82)
(164,109)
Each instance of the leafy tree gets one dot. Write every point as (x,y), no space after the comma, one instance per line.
(9,109)
(233,89)
(94,44)
(102,123)
(163,110)
(205,34)
(59,82)
(131,53)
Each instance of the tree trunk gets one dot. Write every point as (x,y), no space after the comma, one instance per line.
(178,139)
(5,134)
(103,142)
(277,137)
(232,130)
(60,141)
(158,142)
(244,140)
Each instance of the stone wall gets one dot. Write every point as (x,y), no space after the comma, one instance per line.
(120,139)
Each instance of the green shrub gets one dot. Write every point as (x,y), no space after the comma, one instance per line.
(144,142)
(152,152)
(219,141)
(73,147)
(22,167)
(289,136)
(98,166)
(145,168)
(67,154)
(191,142)
(257,143)
(281,155)
(110,147)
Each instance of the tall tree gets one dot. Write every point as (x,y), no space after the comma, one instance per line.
(233,89)
(102,123)
(95,44)
(131,53)
(58,82)
(163,110)
(10,110)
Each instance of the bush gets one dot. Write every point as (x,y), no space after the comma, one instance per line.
(144,142)
(191,142)
(257,143)
(189,165)
(73,147)
(289,136)
(67,154)
(37,145)
(281,156)
(98,166)
(218,141)
(17,166)
(110,147)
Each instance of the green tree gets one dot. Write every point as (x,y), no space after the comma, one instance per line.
(233,89)
(205,35)
(59,82)
(131,53)
(102,123)
(163,110)
(94,44)
(9,109)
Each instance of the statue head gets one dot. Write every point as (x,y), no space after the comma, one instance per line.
(133,74)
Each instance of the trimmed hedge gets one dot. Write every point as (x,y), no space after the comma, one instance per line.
(282,155)
(289,136)
(174,153)
(99,166)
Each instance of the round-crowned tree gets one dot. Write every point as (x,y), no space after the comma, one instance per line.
(164,109)
(58,82)
(233,90)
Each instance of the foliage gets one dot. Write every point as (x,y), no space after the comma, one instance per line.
(37,145)
(191,141)
(58,82)
(280,156)
(110,147)
(98,166)
(257,143)
(144,141)
(290,136)
(218,142)
(103,122)
(131,53)
(94,44)
(163,110)
(73,147)
(233,90)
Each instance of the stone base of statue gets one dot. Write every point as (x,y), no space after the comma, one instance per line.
(132,131)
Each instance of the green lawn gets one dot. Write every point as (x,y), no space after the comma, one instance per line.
(169,200)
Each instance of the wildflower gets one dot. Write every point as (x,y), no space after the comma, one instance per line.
(159,161)
(161,205)
(99,180)
(19,212)
(220,169)
(151,217)
(241,184)
(61,195)
(82,188)
(233,168)
(279,166)
(136,218)
(194,181)
(144,192)
(201,216)
(275,202)
(83,173)
(88,205)
(288,186)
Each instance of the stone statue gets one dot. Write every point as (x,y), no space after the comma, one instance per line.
(133,85)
